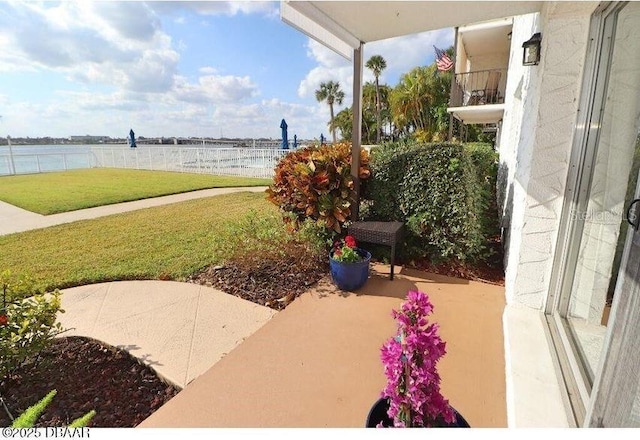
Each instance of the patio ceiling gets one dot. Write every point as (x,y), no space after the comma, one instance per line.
(486,38)
(342,25)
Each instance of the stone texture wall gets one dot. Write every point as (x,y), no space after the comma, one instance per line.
(549,102)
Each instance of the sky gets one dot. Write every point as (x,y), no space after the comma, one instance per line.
(165,69)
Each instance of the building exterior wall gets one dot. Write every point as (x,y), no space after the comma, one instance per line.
(541,108)
(462,62)
(515,144)
(549,95)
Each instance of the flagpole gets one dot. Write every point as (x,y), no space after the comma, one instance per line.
(13,165)
(12,168)
(453,81)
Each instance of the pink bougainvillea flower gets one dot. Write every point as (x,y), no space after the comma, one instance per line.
(410,364)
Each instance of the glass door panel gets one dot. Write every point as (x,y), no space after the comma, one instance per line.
(607,184)
(601,246)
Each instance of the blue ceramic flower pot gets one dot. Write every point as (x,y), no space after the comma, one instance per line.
(350,276)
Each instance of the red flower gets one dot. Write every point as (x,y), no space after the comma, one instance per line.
(350,241)
(4,320)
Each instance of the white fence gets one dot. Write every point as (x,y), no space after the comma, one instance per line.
(245,162)
(30,163)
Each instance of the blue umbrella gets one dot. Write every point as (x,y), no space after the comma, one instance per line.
(295,141)
(285,140)
(132,139)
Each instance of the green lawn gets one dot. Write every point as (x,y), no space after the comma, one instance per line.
(166,242)
(51,193)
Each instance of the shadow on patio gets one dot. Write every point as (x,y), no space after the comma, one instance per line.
(317,363)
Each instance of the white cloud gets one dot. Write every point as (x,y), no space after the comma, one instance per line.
(128,20)
(230,8)
(331,67)
(208,70)
(404,53)
(265,119)
(83,101)
(121,44)
(325,56)
(216,89)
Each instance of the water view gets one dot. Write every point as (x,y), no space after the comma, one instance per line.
(210,159)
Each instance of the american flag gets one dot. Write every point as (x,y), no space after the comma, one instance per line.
(443,62)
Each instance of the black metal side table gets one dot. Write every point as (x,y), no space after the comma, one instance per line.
(385,233)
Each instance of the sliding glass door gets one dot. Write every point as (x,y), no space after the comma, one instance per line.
(597,260)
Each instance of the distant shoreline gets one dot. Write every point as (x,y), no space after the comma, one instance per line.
(100,140)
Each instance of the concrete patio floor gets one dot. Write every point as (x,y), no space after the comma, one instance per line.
(317,363)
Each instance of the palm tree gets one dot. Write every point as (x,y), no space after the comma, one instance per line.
(377,64)
(330,92)
(344,122)
(375,110)
(419,101)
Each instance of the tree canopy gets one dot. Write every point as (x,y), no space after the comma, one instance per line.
(416,107)
(331,93)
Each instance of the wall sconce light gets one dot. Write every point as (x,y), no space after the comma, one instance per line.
(531,53)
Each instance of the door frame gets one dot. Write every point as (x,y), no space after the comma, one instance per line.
(594,88)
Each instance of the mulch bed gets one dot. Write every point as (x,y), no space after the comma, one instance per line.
(276,281)
(271,282)
(490,271)
(456,269)
(87,375)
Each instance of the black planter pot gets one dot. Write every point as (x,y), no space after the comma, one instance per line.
(379,410)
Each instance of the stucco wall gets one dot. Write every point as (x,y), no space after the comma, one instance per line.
(461,57)
(522,83)
(549,101)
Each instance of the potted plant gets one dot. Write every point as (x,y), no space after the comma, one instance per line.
(349,264)
(412,395)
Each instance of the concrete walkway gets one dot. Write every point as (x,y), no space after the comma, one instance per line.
(14,219)
(179,329)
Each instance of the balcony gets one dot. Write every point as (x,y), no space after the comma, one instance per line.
(479,88)
(478,97)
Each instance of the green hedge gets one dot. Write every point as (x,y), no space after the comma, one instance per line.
(443,192)
(485,161)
